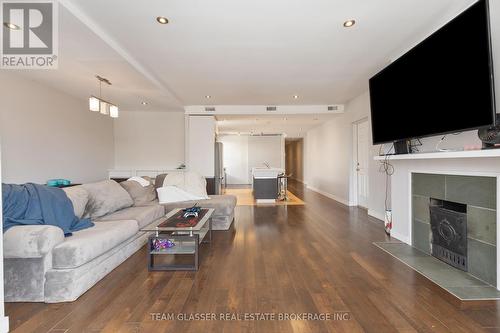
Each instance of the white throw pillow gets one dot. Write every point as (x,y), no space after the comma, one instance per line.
(188,181)
(169,194)
(174,179)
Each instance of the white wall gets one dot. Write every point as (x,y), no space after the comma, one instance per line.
(265,149)
(235,156)
(452,141)
(149,140)
(47,134)
(329,158)
(242,153)
(200,145)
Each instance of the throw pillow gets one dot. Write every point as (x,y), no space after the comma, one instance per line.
(159,180)
(188,181)
(106,197)
(79,197)
(142,195)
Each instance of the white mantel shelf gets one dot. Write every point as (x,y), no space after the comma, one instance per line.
(443,155)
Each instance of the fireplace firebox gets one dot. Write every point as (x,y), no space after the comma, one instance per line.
(449,232)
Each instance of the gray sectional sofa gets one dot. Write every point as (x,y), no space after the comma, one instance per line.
(41,265)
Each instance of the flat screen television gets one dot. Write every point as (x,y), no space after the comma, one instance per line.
(443,85)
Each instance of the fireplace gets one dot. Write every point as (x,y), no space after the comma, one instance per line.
(463,230)
(449,232)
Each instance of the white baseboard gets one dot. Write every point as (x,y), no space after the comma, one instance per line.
(402,238)
(4,324)
(332,196)
(377,215)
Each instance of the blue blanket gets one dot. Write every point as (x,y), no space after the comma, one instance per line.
(32,204)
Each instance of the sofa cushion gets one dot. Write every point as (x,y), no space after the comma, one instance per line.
(143,215)
(142,195)
(89,244)
(79,197)
(31,241)
(106,197)
(223,204)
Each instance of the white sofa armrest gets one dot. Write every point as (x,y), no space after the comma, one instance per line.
(31,241)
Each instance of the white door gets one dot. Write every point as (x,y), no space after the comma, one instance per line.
(362,162)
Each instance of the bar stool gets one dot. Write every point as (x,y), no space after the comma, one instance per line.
(283,186)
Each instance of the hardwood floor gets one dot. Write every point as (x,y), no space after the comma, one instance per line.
(317,258)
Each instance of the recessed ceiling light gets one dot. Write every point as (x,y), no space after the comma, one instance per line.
(295,96)
(349,23)
(162,20)
(208,96)
(12,26)
(144,103)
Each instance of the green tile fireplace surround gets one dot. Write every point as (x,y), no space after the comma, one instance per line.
(479,196)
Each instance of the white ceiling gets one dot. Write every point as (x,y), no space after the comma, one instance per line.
(238,51)
(294,126)
(82,55)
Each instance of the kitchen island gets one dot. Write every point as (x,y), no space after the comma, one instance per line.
(265,184)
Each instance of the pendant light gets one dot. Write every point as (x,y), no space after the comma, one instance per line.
(97,104)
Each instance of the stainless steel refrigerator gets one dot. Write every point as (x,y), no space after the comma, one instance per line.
(219,168)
